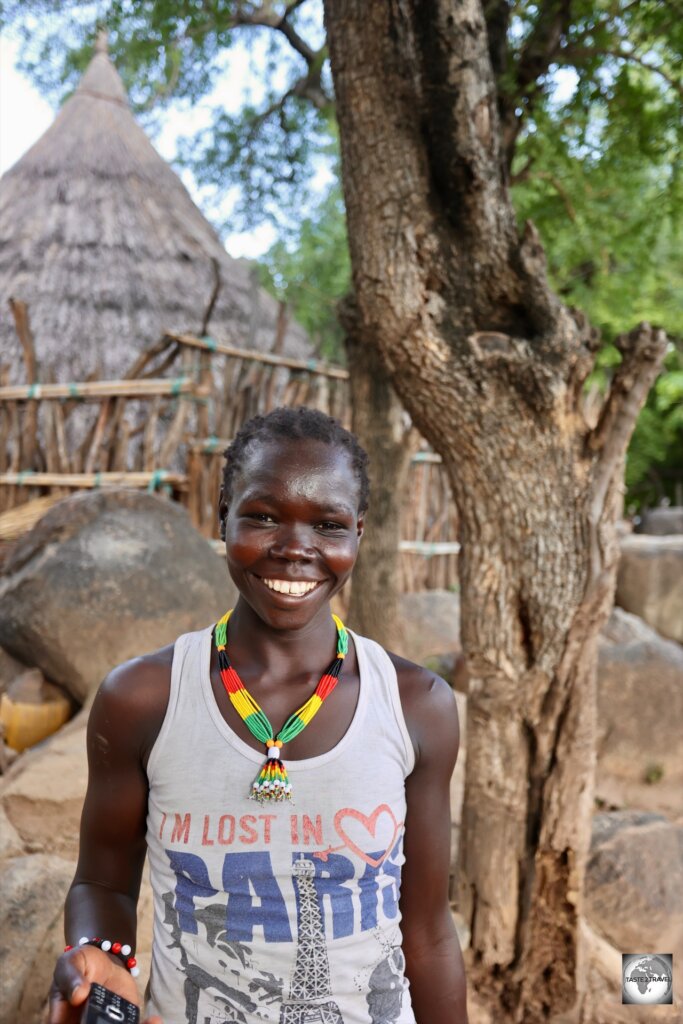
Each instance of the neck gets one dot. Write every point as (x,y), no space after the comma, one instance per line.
(251,641)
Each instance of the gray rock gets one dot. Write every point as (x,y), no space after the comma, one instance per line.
(430,624)
(32,891)
(634,881)
(663,521)
(640,701)
(42,794)
(104,577)
(40,809)
(10,840)
(650,582)
(10,668)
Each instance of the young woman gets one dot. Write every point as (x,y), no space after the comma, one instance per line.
(299,868)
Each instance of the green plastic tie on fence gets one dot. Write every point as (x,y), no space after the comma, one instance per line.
(98,480)
(22,474)
(422,456)
(212,443)
(73,391)
(312,364)
(210,343)
(34,391)
(177,385)
(158,476)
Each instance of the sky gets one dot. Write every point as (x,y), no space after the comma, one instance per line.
(25,115)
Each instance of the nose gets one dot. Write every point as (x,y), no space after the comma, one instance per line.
(293,542)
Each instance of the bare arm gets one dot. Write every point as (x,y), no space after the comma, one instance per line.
(102,901)
(434,963)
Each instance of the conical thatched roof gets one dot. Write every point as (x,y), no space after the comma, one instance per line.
(100,237)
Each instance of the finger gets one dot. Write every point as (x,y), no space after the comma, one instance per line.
(70,981)
(58,1011)
(99,967)
(80,967)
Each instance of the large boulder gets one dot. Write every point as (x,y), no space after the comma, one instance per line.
(10,668)
(42,794)
(663,521)
(634,880)
(33,888)
(601,978)
(40,809)
(103,577)
(640,708)
(32,891)
(650,581)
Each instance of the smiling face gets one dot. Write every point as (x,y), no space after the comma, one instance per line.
(292,528)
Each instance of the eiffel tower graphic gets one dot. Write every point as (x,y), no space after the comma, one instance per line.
(309,990)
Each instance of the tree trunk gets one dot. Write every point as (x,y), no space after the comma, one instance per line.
(491,368)
(383,428)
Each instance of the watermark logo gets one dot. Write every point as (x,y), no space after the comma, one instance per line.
(647,978)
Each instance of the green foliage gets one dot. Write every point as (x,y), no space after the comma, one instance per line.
(595,91)
(268,138)
(311,272)
(598,169)
(599,172)
(654,463)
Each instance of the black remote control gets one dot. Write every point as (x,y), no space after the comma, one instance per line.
(105,1007)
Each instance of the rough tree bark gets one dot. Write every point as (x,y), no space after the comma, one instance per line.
(383,428)
(491,367)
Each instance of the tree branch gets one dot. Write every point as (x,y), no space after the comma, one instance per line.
(559,188)
(267,18)
(308,86)
(459,97)
(570,52)
(537,54)
(642,350)
(544,42)
(497,16)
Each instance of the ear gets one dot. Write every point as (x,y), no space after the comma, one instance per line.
(360,525)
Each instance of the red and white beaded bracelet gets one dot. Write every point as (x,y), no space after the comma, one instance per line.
(122,950)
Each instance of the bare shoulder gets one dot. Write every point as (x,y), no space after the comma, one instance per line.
(130,705)
(429,707)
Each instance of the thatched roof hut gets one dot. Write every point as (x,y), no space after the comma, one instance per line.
(102,240)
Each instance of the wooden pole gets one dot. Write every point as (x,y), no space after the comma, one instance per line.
(97,389)
(78,481)
(23,329)
(308,365)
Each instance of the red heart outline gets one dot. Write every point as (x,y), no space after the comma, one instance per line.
(370,823)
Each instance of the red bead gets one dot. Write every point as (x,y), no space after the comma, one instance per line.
(67,948)
(131,962)
(116,947)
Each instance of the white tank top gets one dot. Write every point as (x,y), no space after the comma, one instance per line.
(282,913)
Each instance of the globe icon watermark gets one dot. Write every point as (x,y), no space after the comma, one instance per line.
(647,978)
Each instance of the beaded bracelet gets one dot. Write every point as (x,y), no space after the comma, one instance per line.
(122,951)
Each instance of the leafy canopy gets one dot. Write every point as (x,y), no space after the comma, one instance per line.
(589,96)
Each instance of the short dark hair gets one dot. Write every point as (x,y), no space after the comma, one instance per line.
(300,424)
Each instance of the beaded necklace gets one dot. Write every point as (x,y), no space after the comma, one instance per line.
(272,782)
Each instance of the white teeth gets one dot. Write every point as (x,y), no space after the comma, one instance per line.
(296,588)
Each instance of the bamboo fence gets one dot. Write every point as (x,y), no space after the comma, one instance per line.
(164,426)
